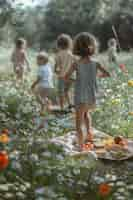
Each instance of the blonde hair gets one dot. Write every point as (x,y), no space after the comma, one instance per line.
(43,55)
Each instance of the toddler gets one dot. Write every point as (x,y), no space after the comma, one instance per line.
(43,86)
(19,58)
(64,60)
(112,55)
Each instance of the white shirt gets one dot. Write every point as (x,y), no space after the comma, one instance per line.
(45,75)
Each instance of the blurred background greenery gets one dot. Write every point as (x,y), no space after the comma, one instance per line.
(41,21)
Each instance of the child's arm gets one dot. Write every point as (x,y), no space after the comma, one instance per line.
(70,71)
(35,83)
(57,65)
(105,73)
(57,70)
(27,62)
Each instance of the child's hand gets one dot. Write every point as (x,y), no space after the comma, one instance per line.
(103,75)
(65,78)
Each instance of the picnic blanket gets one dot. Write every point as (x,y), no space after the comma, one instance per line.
(104,147)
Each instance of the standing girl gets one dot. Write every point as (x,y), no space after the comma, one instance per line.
(85,88)
(19,58)
(64,60)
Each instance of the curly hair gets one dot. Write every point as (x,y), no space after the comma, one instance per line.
(64,41)
(84,44)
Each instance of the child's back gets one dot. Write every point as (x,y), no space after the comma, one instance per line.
(18,57)
(46,76)
(86,82)
(64,60)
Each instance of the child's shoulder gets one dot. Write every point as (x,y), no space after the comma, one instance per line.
(95,61)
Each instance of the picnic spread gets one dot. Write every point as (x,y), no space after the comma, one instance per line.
(104,146)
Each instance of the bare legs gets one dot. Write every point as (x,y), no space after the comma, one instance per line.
(88,123)
(19,71)
(83,118)
(62,99)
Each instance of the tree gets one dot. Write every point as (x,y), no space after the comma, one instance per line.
(72,17)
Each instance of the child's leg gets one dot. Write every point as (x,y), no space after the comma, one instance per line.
(61,87)
(67,89)
(47,103)
(88,123)
(37,92)
(67,98)
(19,74)
(79,123)
(61,101)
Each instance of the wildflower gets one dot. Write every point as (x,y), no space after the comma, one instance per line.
(115,101)
(5,131)
(108,142)
(130,113)
(130,83)
(88,146)
(104,189)
(4,160)
(123,68)
(4,138)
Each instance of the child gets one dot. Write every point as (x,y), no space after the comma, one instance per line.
(19,58)
(112,50)
(112,55)
(85,87)
(64,60)
(44,84)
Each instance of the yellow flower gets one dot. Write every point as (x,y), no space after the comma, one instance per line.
(130,113)
(130,83)
(4,138)
(108,142)
(115,101)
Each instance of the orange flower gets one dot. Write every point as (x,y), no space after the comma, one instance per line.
(4,138)
(5,131)
(4,160)
(88,146)
(104,189)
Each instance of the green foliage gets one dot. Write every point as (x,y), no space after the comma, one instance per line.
(40,170)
